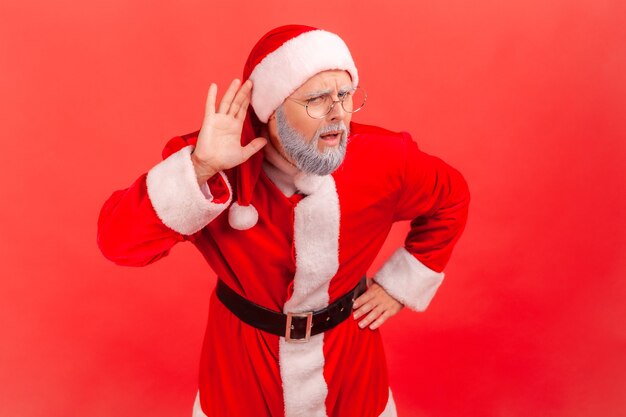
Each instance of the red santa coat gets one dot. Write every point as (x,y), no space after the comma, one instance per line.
(305,252)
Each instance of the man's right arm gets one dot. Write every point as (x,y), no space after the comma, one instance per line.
(140,224)
(184,192)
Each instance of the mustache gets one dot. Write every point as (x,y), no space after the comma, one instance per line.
(341,126)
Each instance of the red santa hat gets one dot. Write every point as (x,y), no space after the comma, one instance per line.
(281,61)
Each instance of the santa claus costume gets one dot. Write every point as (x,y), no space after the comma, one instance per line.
(294,242)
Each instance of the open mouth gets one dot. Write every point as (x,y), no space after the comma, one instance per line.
(333,136)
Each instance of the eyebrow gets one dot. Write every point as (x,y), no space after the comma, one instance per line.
(327,91)
(317,93)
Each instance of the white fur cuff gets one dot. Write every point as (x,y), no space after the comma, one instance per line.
(179,202)
(408,280)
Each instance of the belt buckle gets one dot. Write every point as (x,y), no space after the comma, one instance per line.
(309,322)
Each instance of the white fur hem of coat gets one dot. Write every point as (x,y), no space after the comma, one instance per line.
(408,280)
(179,202)
(390,409)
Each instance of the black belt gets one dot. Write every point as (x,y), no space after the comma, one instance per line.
(294,327)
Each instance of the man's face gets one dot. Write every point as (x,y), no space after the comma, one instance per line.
(314,145)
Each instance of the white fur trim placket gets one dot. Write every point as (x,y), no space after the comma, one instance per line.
(179,202)
(282,71)
(316,240)
(408,280)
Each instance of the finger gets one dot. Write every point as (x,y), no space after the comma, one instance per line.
(253,147)
(244,108)
(209,107)
(380,320)
(364,309)
(240,97)
(373,315)
(228,96)
(241,114)
(364,298)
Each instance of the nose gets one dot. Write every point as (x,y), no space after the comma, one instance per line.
(337,112)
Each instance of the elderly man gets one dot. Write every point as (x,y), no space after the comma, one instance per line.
(293,324)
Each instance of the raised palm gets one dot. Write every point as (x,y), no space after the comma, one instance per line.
(219,141)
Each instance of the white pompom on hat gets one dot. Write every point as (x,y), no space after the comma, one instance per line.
(281,61)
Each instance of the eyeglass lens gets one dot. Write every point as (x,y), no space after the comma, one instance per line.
(351,102)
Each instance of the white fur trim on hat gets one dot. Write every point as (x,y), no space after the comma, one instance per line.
(408,280)
(242,217)
(284,70)
(177,199)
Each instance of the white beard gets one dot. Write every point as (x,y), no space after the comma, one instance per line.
(306,156)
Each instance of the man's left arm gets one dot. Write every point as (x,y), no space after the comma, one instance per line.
(435,197)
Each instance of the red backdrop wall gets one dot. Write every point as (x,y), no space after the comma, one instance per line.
(526,98)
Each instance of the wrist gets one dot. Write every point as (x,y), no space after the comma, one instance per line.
(203,170)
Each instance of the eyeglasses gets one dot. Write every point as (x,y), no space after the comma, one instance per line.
(319,106)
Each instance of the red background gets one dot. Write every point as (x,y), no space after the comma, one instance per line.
(526,98)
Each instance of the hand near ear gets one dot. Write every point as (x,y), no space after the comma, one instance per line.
(219,141)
